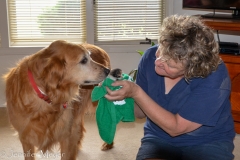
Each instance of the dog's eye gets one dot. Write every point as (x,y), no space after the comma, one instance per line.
(84,60)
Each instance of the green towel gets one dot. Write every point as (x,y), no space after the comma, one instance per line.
(110,113)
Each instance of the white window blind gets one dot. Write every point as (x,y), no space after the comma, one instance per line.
(123,20)
(43,21)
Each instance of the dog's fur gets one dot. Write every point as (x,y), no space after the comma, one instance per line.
(58,71)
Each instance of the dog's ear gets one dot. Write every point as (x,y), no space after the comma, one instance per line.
(53,72)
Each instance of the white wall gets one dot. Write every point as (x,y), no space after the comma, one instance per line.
(121,56)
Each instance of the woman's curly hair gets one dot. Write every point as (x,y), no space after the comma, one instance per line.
(187,39)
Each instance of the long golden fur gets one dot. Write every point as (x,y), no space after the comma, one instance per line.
(58,71)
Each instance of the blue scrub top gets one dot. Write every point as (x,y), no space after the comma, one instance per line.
(201,100)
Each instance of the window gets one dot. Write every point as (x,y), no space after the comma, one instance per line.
(38,22)
(121,20)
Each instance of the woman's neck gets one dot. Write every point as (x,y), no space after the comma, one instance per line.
(170,83)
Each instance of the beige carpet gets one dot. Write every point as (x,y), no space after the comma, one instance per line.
(127,142)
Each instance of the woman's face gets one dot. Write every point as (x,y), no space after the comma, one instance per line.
(168,67)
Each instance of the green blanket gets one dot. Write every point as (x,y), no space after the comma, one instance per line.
(110,113)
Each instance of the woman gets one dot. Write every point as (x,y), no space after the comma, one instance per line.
(183,89)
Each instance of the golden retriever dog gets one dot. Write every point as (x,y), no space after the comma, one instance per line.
(43,101)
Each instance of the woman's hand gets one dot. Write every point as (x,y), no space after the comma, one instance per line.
(129,89)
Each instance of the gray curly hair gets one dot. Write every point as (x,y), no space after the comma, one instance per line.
(189,40)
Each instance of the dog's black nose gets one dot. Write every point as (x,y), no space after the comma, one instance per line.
(106,71)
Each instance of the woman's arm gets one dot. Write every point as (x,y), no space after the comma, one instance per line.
(173,124)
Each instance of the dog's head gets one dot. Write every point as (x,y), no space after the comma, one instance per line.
(66,63)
